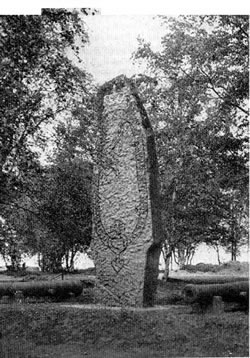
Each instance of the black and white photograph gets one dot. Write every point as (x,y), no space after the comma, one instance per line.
(124,183)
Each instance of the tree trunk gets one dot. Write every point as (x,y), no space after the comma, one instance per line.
(233,251)
(181,258)
(191,256)
(72,260)
(39,259)
(218,253)
(67,260)
(5,260)
(167,264)
(171,262)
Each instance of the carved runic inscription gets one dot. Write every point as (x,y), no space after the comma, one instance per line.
(122,230)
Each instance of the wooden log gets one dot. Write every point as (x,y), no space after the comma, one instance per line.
(204,293)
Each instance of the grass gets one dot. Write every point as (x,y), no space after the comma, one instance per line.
(53,330)
(35,330)
(39,330)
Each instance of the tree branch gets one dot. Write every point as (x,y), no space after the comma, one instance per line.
(25,133)
(218,94)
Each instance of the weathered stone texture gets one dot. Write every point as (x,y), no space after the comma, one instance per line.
(122,215)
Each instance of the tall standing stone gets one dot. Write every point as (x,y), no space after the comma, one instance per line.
(122,233)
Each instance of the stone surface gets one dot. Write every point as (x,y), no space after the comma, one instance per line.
(122,230)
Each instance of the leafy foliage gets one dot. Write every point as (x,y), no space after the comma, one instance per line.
(53,215)
(46,206)
(199,109)
(66,210)
(38,81)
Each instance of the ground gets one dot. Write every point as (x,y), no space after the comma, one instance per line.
(53,330)
(70,330)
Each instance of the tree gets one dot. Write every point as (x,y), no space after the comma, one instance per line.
(38,81)
(53,219)
(199,111)
(12,246)
(66,209)
(55,205)
(236,224)
(65,192)
(39,84)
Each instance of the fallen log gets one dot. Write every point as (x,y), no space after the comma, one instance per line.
(204,294)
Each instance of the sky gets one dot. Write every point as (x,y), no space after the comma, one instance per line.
(113,39)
